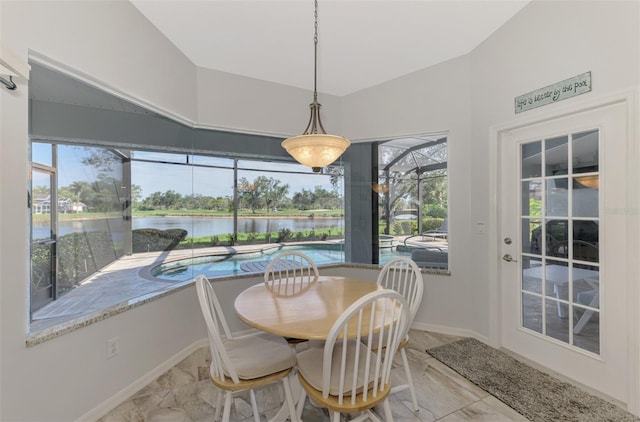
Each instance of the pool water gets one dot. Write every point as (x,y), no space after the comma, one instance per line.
(232,264)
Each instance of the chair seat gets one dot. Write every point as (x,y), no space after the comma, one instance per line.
(310,366)
(403,343)
(332,403)
(259,354)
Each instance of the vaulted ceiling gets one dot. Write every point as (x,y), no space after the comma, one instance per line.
(361,43)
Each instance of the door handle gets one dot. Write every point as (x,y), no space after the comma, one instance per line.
(507,257)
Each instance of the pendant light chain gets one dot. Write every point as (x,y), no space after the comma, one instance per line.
(315,55)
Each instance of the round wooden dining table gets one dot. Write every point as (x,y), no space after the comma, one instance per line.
(304,312)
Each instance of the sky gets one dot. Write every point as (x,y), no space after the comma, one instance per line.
(214,181)
(157,177)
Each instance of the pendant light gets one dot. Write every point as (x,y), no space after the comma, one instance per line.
(315,148)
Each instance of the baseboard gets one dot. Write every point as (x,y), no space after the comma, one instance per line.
(128,391)
(452,331)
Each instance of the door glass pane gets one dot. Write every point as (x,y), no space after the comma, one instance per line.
(531,160)
(531,197)
(585,196)
(556,276)
(557,235)
(532,236)
(531,275)
(556,325)
(585,152)
(556,156)
(532,312)
(586,286)
(557,197)
(586,329)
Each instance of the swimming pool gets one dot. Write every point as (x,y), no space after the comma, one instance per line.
(246,263)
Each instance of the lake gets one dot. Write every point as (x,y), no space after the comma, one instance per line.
(196,226)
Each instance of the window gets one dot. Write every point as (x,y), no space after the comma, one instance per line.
(169,215)
(77,205)
(412,197)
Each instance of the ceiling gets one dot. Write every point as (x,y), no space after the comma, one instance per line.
(361,43)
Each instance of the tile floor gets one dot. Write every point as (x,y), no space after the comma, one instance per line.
(443,395)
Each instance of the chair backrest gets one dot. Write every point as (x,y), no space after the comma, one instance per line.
(290,272)
(216,328)
(403,275)
(352,367)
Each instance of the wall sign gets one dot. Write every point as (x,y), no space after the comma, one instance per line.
(554,93)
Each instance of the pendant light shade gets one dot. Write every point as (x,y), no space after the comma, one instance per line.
(315,148)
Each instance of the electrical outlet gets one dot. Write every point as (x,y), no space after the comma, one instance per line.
(113,347)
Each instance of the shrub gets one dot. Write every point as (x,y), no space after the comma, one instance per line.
(147,240)
(432,223)
(407,227)
(283,235)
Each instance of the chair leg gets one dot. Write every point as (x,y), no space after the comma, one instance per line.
(301,399)
(254,405)
(216,417)
(388,417)
(335,417)
(407,372)
(227,407)
(293,412)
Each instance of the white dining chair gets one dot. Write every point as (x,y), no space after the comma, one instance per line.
(404,276)
(243,363)
(290,273)
(346,375)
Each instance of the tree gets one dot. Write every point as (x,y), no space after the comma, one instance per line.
(136,195)
(303,200)
(263,192)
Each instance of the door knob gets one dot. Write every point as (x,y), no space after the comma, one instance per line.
(507,257)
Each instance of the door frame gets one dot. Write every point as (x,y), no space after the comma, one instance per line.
(628,98)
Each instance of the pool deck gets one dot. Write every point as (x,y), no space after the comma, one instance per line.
(122,285)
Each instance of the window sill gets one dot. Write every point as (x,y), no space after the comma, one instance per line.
(139,273)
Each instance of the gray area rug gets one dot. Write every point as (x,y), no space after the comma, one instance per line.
(532,393)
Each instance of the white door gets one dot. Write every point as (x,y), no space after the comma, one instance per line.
(562,212)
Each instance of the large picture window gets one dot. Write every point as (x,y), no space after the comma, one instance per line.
(106,221)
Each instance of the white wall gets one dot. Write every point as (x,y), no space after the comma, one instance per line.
(111,42)
(62,379)
(433,100)
(231,102)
